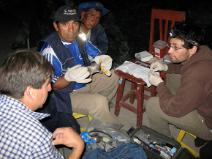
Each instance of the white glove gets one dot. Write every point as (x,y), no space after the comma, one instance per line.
(105,63)
(158,66)
(154,78)
(77,74)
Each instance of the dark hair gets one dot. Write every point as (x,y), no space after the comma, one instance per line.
(191,35)
(21,69)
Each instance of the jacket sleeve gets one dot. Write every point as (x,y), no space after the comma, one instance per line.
(50,55)
(188,97)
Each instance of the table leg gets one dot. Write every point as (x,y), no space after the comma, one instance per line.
(119,95)
(140,97)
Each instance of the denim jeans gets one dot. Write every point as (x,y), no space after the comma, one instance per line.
(124,151)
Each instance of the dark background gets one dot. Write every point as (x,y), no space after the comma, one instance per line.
(127,25)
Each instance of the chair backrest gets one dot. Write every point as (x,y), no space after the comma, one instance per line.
(161,22)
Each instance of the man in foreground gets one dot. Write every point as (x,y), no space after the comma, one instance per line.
(24,86)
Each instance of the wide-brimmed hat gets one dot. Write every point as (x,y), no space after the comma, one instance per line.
(93,4)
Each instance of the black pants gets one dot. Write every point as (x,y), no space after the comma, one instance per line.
(60,119)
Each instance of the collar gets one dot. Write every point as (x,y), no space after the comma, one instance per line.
(66,43)
(9,102)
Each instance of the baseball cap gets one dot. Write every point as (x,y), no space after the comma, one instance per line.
(93,4)
(66,13)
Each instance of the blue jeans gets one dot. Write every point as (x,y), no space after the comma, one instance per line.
(124,151)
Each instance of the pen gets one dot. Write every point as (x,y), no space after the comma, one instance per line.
(143,64)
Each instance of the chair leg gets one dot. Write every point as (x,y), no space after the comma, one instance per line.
(119,96)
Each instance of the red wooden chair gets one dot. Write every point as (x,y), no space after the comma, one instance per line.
(160,24)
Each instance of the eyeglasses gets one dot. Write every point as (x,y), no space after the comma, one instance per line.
(175,47)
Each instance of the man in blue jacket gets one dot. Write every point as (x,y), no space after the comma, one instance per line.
(70,56)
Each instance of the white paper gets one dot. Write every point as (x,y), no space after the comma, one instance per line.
(136,70)
(143,56)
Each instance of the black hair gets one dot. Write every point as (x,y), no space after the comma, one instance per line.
(192,35)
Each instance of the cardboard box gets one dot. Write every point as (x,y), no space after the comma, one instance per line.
(160,48)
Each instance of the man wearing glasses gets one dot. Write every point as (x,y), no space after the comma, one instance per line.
(190,107)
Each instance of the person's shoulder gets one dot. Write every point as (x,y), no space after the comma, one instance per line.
(47,49)
(50,39)
(45,43)
(205,54)
(36,132)
(101,26)
(201,67)
(42,45)
(24,127)
(98,27)
(205,48)
(51,35)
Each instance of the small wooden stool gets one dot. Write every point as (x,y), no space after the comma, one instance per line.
(136,92)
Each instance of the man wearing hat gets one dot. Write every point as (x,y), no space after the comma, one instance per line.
(69,56)
(91,12)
